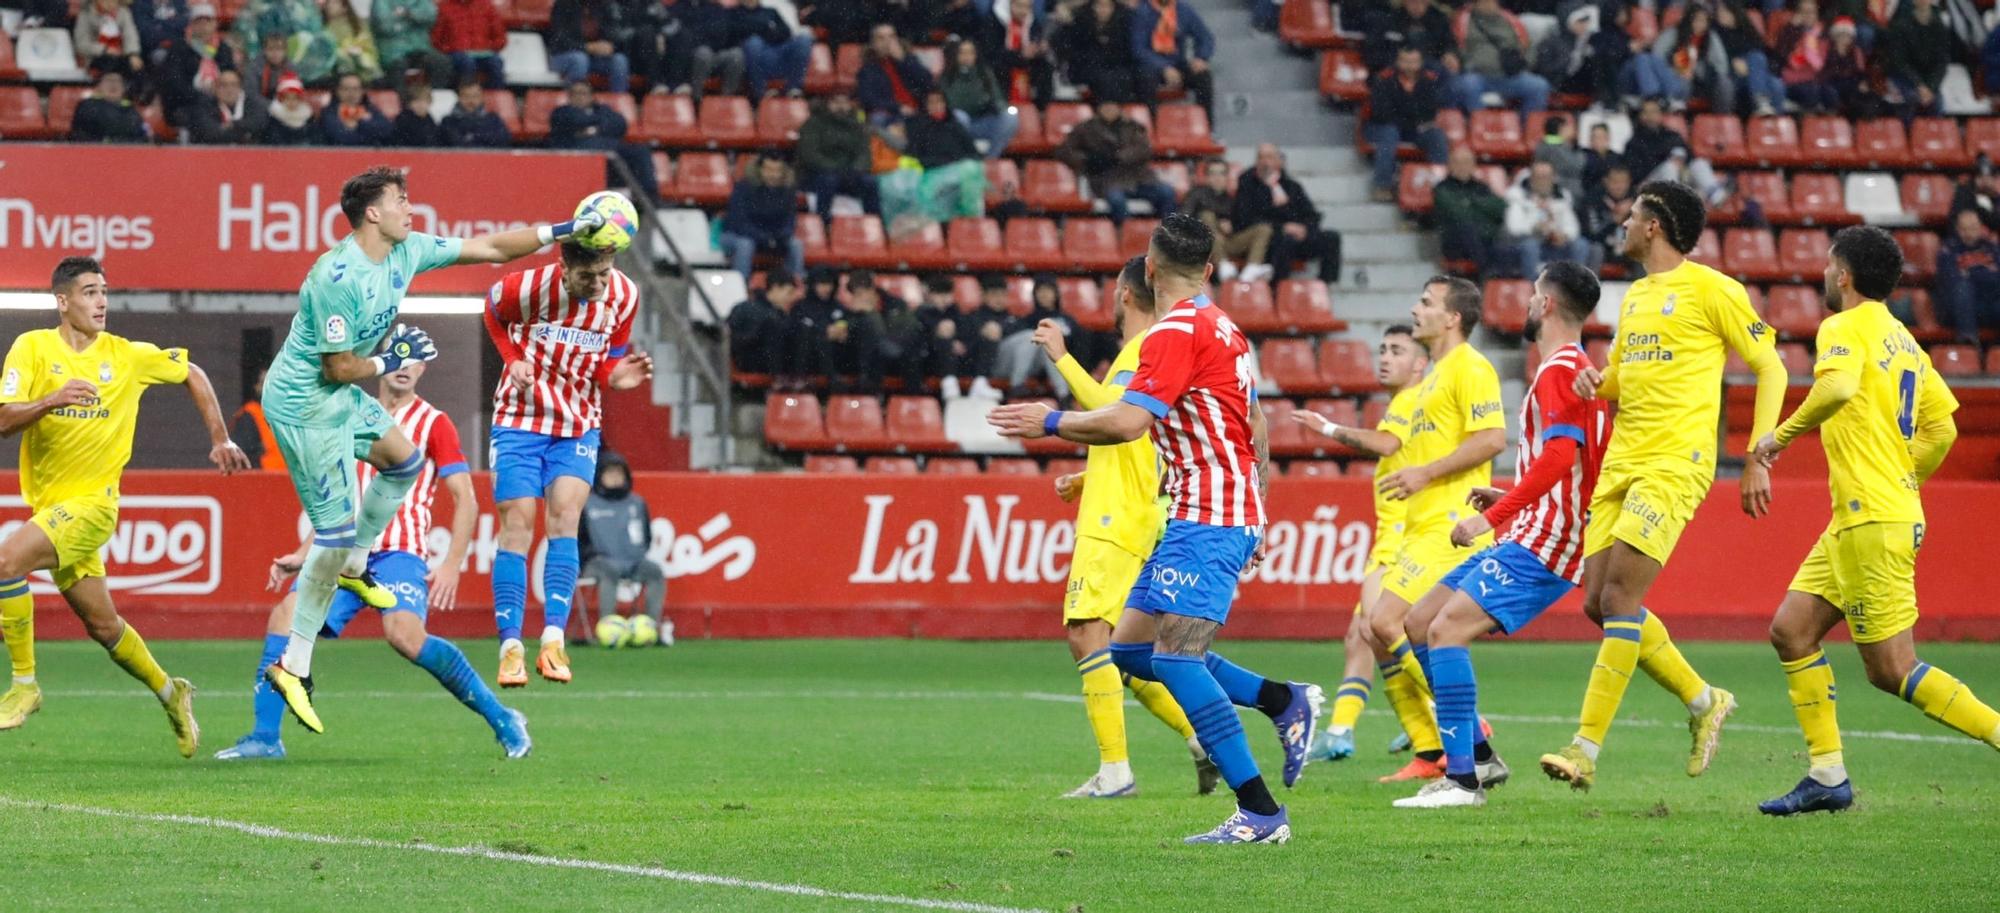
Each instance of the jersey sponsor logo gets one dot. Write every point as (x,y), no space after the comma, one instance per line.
(164,544)
(1835,351)
(11,386)
(587,340)
(104,372)
(396,278)
(1758,329)
(336,329)
(1482,410)
(1667,309)
(174,355)
(1168,576)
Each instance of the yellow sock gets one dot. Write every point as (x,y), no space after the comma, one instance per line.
(1155,698)
(1617,656)
(1663,661)
(1809,681)
(1104,704)
(1948,701)
(17,625)
(1348,701)
(1407,699)
(130,654)
(1407,659)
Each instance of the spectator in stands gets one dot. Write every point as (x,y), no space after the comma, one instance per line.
(1116,155)
(842,21)
(1558,148)
(1749,73)
(1493,57)
(585,124)
(231,116)
(1468,213)
(1174,48)
(1415,24)
(817,311)
(470,125)
(718,49)
(350,119)
(937,323)
(1989,61)
(614,537)
(471,34)
(952,183)
(107,116)
(1979,192)
(663,43)
(1598,160)
(587,38)
(1017,356)
(1213,201)
(764,337)
(186,76)
(835,157)
(292,121)
(1402,107)
(1603,216)
(414,128)
(1678,60)
(1541,221)
(161,23)
(1915,53)
(977,22)
(403,40)
(892,83)
(1826,71)
(53,14)
(1096,50)
(353,42)
(770,49)
(879,333)
(981,330)
(106,38)
(1581,57)
(977,99)
(760,218)
(252,432)
(308,48)
(1266,195)
(1656,152)
(1968,279)
(1022,55)
(272,65)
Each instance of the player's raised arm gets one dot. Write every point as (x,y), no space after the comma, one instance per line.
(222,451)
(1366,440)
(502,247)
(1116,423)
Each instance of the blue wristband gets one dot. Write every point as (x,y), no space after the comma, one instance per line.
(1049,424)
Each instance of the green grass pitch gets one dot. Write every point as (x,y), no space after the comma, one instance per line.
(926,771)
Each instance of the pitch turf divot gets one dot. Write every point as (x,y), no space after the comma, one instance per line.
(480,852)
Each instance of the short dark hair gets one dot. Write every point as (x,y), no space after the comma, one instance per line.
(940,284)
(1873,257)
(1554,125)
(471,82)
(574,254)
(1409,49)
(1679,210)
(780,277)
(1577,289)
(1399,329)
(363,190)
(1134,278)
(860,278)
(992,282)
(70,269)
(1184,242)
(1461,296)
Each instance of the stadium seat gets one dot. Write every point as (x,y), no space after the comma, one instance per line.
(1250,305)
(663,168)
(1956,360)
(62,108)
(858,241)
(1347,366)
(47,55)
(1506,304)
(778,121)
(1798,362)
(1306,306)
(1828,141)
(1291,364)
(974,244)
(1285,435)
(847,65)
(508,109)
(1599,351)
(904,286)
(1174,175)
(1802,253)
(21,114)
(1707,248)
(1092,244)
(1496,135)
(792,421)
(1135,236)
(9,72)
(1307,24)
(1767,188)
(1060,118)
(1935,143)
(1719,138)
(1873,197)
(386,101)
(534,113)
(1451,123)
(702,178)
(831,462)
(1373,409)
(1793,310)
(1000,175)
(932,57)
(1773,141)
(1049,186)
(1993,361)
(916,425)
(726,122)
(1010,466)
(525,60)
(1818,199)
(1083,303)
(669,120)
(527,15)
(1413,187)
(1882,143)
(1314,469)
(1342,75)
(1183,131)
(1982,137)
(1338,411)
(892,465)
(1928,197)
(1920,250)
(1751,254)
(965,293)
(855,423)
(1028,139)
(922,249)
(1059,467)
(1034,244)
(951,466)
(820,76)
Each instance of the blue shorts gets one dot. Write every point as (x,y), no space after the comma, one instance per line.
(1509,583)
(403,573)
(1193,571)
(525,464)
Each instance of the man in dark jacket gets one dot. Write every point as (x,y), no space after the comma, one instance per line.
(1917,49)
(761,217)
(937,139)
(1467,212)
(663,42)
(413,127)
(1096,49)
(877,333)
(1116,156)
(616,533)
(350,119)
(470,125)
(937,321)
(980,331)
(770,50)
(1170,58)
(587,37)
(1410,24)
(892,82)
(232,117)
(585,124)
(834,157)
(1213,201)
(194,62)
(1968,279)
(717,48)
(1266,195)
(764,335)
(1402,108)
(1603,214)
(1652,142)
(107,116)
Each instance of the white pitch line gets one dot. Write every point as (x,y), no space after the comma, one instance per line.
(480,852)
(1887,735)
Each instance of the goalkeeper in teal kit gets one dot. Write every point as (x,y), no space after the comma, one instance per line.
(345,333)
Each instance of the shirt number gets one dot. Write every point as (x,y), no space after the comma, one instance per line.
(1906,407)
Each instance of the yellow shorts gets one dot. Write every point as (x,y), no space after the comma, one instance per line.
(1388,542)
(1869,573)
(79,527)
(1645,506)
(1427,556)
(1100,577)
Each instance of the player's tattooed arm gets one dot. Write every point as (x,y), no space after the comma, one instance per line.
(1260,441)
(1379,443)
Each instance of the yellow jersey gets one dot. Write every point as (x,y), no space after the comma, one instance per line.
(1459,396)
(1389,512)
(82,449)
(1867,442)
(1121,482)
(1667,361)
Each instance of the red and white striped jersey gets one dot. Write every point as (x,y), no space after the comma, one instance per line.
(437,439)
(1195,377)
(572,345)
(1552,527)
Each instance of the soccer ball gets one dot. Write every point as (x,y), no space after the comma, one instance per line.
(621,221)
(644,632)
(614,631)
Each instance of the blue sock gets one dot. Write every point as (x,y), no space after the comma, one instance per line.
(1214,717)
(445,662)
(558,581)
(1242,685)
(1423,652)
(265,702)
(510,593)
(1135,660)
(1457,697)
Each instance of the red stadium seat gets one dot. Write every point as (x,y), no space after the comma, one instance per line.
(1307,24)
(1719,138)
(1183,130)
(21,114)
(1819,199)
(847,65)
(663,168)
(831,462)
(953,466)
(9,72)
(1496,135)
(726,121)
(1092,244)
(892,465)
(1049,186)
(1012,467)
(1028,138)
(1928,196)
(1061,467)
(1882,143)
(855,423)
(1135,236)
(528,15)
(820,76)
(975,244)
(1342,75)
(1291,364)
(1774,141)
(1250,305)
(1828,141)
(811,233)
(1284,434)
(1982,137)
(62,108)
(902,285)
(1062,117)
(509,110)
(792,421)
(702,178)
(1348,366)
(386,101)
(1497,178)
(1174,175)
(1451,123)
(1802,253)
(622,103)
(1413,187)
(1034,244)
(1767,188)
(1794,310)
(1599,351)
(1338,411)
(1707,248)
(1315,469)
(923,249)
(1956,360)
(1751,253)
(1000,175)
(534,113)
(1306,306)
(1993,361)
(1373,409)
(858,240)
(1084,304)
(916,425)
(1506,304)
(1798,362)
(1935,143)
(668,120)
(778,120)
(1920,250)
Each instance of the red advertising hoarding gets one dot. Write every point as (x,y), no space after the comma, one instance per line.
(867,555)
(254,220)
